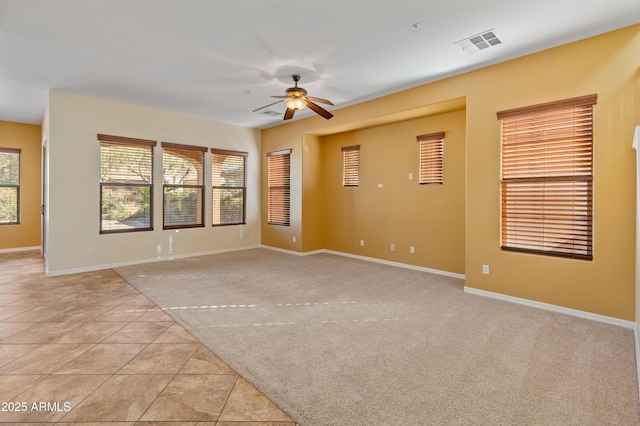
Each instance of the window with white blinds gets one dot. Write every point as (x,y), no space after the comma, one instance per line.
(10,186)
(126,184)
(351,165)
(279,187)
(431,158)
(229,187)
(547,178)
(183,185)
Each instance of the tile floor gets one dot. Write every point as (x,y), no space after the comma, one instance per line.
(89,348)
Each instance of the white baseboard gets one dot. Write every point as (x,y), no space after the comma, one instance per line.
(370,259)
(137,262)
(549,307)
(291,252)
(637,342)
(12,250)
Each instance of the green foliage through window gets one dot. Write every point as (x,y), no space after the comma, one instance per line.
(9,186)
(126,188)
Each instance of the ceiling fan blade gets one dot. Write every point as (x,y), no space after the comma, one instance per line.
(277,102)
(319,110)
(288,114)
(320,100)
(281,97)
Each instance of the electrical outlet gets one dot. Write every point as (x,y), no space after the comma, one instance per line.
(87,250)
(485,269)
(393,247)
(293,239)
(361,243)
(412,250)
(410,176)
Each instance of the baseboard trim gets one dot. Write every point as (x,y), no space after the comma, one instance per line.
(370,259)
(16,249)
(137,262)
(398,264)
(554,308)
(637,342)
(291,252)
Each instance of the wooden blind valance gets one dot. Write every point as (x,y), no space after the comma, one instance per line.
(229,152)
(171,145)
(125,140)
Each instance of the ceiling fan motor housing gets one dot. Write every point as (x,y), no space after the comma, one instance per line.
(296,91)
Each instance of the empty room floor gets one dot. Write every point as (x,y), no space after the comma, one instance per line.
(88,348)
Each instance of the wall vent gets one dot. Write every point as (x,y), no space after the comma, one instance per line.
(478,42)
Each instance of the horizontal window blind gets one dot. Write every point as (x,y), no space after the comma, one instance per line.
(547,178)
(10,186)
(431,158)
(183,179)
(351,165)
(279,187)
(229,187)
(125,163)
(126,184)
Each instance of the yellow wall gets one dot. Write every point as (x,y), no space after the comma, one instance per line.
(429,218)
(27,137)
(607,65)
(313,228)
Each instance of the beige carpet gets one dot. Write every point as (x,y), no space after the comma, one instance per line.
(338,341)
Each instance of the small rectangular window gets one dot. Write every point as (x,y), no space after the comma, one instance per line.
(279,187)
(183,185)
(9,186)
(229,187)
(547,178)
(126,184)
(431,158)
(351,165)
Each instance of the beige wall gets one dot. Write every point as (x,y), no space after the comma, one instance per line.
(73,213)
(607,65)
(28,138)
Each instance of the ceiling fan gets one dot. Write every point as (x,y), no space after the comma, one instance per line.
(296,98)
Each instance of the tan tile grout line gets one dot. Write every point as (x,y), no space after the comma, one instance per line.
(116,372)
(169,382)
(226,401)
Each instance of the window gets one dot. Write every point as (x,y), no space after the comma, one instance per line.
(183,178)
(546,178)
(229,187)
(431,157)
(126,184)
(9,186)
(279,177)
(351,165)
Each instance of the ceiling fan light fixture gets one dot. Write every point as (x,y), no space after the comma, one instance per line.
(295,103)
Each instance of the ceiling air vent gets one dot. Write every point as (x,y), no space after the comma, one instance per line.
(479,41)
(270,113)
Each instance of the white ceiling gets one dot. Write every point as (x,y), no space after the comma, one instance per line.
(222,59)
